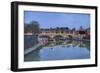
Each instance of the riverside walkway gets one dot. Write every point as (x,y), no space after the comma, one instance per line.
(27,51)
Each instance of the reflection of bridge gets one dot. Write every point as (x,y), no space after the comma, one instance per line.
(54,35)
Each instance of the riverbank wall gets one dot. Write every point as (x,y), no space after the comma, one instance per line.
(29,41)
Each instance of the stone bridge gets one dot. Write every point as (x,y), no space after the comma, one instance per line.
(54,35)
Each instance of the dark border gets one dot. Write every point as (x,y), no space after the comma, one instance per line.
(14,35)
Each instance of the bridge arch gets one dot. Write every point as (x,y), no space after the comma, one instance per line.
(58,37)
(44,36)
(55,36)
(69,36)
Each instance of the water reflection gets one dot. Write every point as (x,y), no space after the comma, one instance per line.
(60,50)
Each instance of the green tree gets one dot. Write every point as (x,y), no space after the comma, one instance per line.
(32,27)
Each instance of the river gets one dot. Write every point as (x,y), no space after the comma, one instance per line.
(63,50)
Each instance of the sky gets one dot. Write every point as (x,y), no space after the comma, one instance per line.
(58,19)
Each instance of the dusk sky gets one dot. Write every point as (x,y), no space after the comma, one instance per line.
(56,19)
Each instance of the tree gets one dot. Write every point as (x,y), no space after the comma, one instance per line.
(67,28)
(73,30)
(32,27)
(81,30)
(57,29)
(35,27)
(62,30)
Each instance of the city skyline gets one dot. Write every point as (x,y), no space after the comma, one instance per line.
(55,19)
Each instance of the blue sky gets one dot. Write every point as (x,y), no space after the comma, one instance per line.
(56,19)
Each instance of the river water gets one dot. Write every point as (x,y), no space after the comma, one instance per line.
(66,50)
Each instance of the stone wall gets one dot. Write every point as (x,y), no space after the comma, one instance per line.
(30,40)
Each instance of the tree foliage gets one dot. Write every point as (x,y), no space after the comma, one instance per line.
(32,27)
